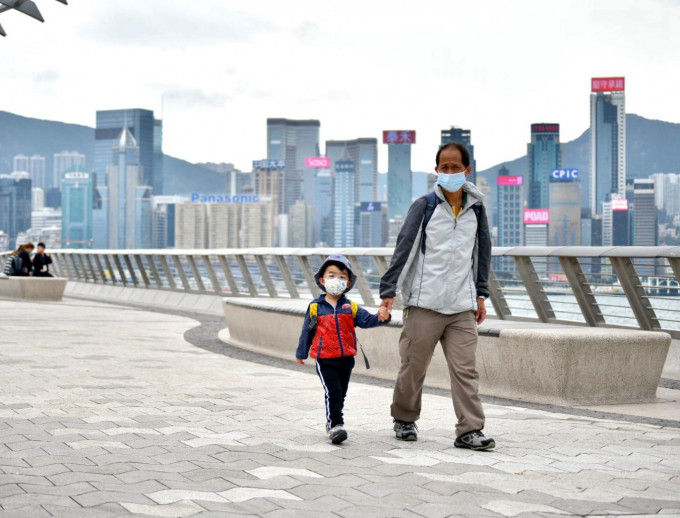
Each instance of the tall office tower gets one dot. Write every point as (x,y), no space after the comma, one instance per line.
(667,192)
(419,184)
(21,163)
(38,197)
(607,141)
(142,125)
(343,203)
(399,171)
(100,217)
(129,200)
(256,226)
(267,181)
(294,141)
(45,218)
(364,153)
(300,225)
(36,170)
(615,222)
(163,225)
(77,204)
(543,155)
(382,188)
(63,162)
(15,205)
(370,222)
(510,194)
(158,173)
(565,208)
(645,219)
(191,226)
(223,225)
(464,136)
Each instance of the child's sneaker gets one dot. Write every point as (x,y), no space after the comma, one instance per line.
(337,434)
(474,440)
(406,431)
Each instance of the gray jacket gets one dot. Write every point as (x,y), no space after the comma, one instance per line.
(454,269)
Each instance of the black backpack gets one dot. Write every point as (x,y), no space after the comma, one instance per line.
(432,201)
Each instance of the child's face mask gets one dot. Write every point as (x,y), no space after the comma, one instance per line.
(335,286)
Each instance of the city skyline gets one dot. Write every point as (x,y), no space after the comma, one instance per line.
(213,107)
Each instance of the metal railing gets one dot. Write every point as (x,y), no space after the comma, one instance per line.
(595,286)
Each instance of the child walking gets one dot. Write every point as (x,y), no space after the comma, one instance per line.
(328,335)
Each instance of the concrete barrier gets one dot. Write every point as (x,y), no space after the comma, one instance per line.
(32,288)
(555,364)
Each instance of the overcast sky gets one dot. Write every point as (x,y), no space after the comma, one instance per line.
(220,68)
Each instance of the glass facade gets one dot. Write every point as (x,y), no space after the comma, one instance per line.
(510,214)
(543,153)
(343,203)
(77,201)
(15,206)
(398,180)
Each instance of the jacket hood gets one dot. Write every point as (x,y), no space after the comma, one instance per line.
(469,187)
(336,259)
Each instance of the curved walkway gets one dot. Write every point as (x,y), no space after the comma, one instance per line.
(108,411)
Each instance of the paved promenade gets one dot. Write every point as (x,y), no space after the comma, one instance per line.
(108,411)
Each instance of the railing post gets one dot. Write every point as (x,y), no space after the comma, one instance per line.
(243,266)
(211,274)
(534,288)
(83,268)
(150,259)
(635,293)
(168,273)
(133,275)
(102,275)
(500,305)
(287,277)
(76,271)
(309,275)
(197,275)
(142,270)
(182,274)
(60,269)
(362,283)
(88,258)
(111,270)
(233,285)
(266,276)
(674,262)
(581,290)
(123,277)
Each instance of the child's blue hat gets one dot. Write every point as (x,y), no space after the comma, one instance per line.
(335,259)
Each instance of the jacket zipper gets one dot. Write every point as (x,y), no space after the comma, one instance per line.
(337,327)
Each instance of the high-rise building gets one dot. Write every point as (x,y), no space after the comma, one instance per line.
(667,192)
(544,156)
(34,166)
(129,200)
(300,225)
(77,204)
(607,141)
(399,171)
(163,226)
(370,224)
(464,136)
(256,226)
(645,219)
(419,184)
(364,153)
(294,141)
(615,222)
(38,197)
(343,203)
(191,226)
(21,163)
(322,208)
(46,217)
(223,225)
(147,132)
(15,204)
(565,208)
(66,160)
(510,193)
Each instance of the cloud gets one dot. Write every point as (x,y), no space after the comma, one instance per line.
(194,98)
(166,24)
(47,76)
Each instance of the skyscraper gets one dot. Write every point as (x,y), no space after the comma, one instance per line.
(63,162)
(191,226)
(300,225)
(645,219)
(15,205)
(565,208)
(364,153)
(163,226)
(543,154)
(607,141)
(399,171)
(343,203)
(370,224)
(77,203)
(34,166)
(464,136)
(223,225)
(510,194)
(147,132)
(294,141)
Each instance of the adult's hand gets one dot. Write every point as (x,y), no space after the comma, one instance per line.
(481,312)
(387,303)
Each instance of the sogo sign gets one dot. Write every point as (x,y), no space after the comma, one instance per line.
(536,216)
(318,162)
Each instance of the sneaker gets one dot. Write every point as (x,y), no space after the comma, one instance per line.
(406,431)
(337,434)
(474,440)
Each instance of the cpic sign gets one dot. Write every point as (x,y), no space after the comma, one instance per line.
(319,162)
(564,175)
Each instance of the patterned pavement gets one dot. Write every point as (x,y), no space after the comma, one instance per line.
(107,411)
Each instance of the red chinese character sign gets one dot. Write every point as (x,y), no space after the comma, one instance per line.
(399,137)
(608,84)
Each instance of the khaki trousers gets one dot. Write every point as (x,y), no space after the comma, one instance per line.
(457,333)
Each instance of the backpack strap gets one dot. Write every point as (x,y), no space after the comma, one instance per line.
(432,202)
(313,309)
(355,308)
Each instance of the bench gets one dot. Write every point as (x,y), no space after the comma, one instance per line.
(542,363)
(32,288)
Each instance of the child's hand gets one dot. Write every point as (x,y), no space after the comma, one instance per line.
(383,314)
(299,361)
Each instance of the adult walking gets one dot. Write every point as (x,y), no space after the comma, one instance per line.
(441,264)
(41,262)
(19,262)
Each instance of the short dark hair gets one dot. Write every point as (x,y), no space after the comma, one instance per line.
(464,153)
(340,266)
(42,244)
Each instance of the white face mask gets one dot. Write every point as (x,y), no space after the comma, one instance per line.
(335,286)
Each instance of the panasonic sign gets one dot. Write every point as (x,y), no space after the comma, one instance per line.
(564,175)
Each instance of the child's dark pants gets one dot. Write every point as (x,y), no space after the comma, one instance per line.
(335,374)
